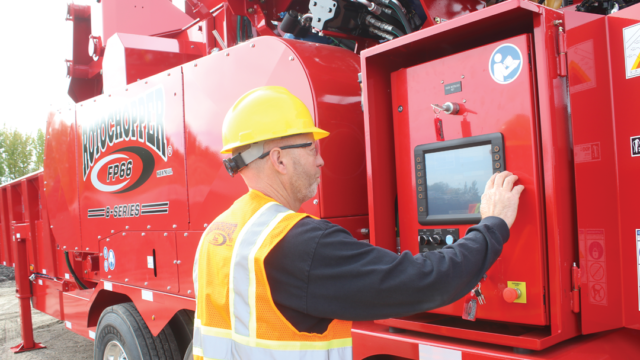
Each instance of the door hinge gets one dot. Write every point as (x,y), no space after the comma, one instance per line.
(562,50)
(575,288)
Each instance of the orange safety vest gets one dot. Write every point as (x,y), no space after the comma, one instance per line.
(236,317)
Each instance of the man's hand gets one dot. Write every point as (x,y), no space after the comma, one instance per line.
(501,198)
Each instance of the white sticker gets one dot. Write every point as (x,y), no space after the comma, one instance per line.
(67,324)
(635,146)
(147,295)
(92,335)
(39,281)
(164,172)
(18,235)
(44,271)
(582,67)
(108,286)
(112,260)
(586,152)
(437,353)
(150,262)
(505,63)
(631,37)
(66,276)
(4,263)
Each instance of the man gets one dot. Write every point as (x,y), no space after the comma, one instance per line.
(272,283)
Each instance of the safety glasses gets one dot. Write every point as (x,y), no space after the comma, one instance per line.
(303,145)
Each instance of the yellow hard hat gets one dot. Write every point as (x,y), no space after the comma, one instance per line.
(265,113)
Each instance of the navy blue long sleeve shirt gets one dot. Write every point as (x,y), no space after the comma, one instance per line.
(318,272)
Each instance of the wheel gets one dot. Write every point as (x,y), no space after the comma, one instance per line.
(123,335)
(189,354)
(182,326)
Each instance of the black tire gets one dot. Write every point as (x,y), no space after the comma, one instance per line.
(122,325)
(182,326)
(189,354)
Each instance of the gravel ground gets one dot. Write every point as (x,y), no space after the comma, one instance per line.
(60,342)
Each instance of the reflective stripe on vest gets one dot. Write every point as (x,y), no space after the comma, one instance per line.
(211,343)
(241,341)
(242,281)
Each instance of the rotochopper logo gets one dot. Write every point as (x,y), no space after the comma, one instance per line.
(139,123)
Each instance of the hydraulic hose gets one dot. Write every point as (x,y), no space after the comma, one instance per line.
(383,26)
(400,6)
(73,273)
(401,15)
(381,33)
(371,6)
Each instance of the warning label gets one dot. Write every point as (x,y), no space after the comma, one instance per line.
(594,265)
(582,68)
(596,272)
(598,293)
(631,36)
(586,152)
(635,146)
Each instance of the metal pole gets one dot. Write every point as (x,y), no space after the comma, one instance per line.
(23,291)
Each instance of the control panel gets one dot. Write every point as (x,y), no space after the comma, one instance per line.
(435,239)
(445,154)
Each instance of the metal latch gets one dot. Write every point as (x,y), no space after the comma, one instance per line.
(575,288)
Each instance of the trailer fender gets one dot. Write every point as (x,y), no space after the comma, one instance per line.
(101,301)
(156,308)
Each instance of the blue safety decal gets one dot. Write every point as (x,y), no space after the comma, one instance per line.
(505,63)
(112,259)
(106,265)
(105,253)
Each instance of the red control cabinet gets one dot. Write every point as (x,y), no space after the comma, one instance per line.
(520,97)
(498,104)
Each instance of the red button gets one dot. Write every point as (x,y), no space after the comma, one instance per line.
(510,294)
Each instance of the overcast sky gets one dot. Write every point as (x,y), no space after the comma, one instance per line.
(35,40)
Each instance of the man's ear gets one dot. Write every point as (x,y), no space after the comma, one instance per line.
(277,161)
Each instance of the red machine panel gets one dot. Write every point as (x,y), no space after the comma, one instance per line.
(187,244)
(300,67)
(60,182)
(489,104)
(31,208)
(145,259)
(47,296)
(5,226)
(624,49)
(131,160)
(594,153)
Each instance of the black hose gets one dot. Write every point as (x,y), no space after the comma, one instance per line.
(73,273)
(384,26)
(403,18)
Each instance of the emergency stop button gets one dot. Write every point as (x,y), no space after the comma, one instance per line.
(510,294)
(516,292)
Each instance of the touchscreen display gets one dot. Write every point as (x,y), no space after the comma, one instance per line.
(456,179)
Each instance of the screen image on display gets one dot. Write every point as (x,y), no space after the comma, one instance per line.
(456,179)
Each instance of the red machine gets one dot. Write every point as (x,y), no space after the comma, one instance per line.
(451,92)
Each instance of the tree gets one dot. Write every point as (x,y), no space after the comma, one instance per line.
(38,149)
(3,136)
(17,154)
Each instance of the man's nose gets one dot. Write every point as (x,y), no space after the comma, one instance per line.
(319,161)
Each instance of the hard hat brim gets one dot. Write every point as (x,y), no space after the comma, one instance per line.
(317,135)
